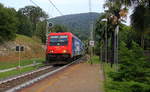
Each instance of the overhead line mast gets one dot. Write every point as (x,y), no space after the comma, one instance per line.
(91,28)
(47,24)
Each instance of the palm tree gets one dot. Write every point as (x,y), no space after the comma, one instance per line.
(100,34)
(140,19)
(116,12)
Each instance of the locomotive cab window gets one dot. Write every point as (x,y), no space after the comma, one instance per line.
(61,40)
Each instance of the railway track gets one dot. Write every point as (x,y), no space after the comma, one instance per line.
(16,83)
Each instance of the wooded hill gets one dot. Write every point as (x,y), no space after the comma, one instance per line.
(78,24)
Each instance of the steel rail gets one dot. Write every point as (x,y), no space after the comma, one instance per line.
(13,78)
(30,82)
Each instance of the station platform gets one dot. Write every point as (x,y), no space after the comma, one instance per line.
(81,77)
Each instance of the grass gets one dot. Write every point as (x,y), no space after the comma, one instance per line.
(18,71)
(94,60)
(6,65)
(25,39)
(108,80)
(106,69)
(33,49)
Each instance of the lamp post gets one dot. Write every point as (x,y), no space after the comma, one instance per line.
(91,30)
(116,47)
(46,29)
(48,25)
(46,41)
(105,42)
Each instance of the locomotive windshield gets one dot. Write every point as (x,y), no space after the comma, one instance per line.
(61,40)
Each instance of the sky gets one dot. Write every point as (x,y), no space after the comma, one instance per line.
(65,6)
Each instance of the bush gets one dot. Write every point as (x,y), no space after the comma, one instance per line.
(134,72)
(133,65)
(130,86)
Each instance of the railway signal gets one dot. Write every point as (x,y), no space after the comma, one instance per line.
(19,49)
(50,25)
(92,43)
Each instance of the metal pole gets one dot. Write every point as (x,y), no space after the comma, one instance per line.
(91,33)
(19,56)
(46,42)
(116,48)
(90,8)
(91,26)
(101,54)
(106,42)
(91,36)
(46,33)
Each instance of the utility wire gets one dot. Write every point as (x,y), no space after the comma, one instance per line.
(56,7)
(34,3)
(51,4)
(38,6)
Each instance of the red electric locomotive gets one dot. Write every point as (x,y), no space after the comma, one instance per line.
(63,47)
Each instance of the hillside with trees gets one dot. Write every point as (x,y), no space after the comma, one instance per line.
(31,21)
(76,23)
(22,28)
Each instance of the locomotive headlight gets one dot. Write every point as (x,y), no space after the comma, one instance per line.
(51,51)
(64,51)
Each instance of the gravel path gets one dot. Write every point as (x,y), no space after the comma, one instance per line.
(77,78)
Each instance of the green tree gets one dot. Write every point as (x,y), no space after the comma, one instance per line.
(34,14)
(58,28)
(25,25)
(114,15)
(140,17)
(100,35)
(140,21)
(133,74)
(41,31)
(8,23)
(133,65)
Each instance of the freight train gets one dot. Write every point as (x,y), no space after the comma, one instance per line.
(63,47)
